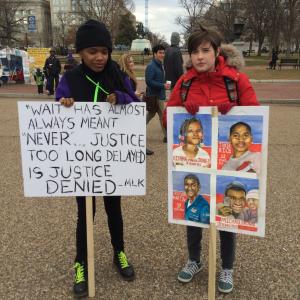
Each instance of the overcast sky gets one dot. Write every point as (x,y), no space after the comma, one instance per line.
(161,15)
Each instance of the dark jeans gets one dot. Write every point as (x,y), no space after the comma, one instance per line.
(50,82)
(40,89)
(227,242)
(112,206)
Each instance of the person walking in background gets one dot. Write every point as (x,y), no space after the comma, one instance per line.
(212,79)
(71,62)
(126,63)
(94,45)
(39,79)
(52,70)
(156,87)
(1,73)
(274,59)
(173,60)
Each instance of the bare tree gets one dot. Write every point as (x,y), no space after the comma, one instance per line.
(60,31)
(10,23)
(258,19)
(195,10)
(276,19)
(156,38)
(106,11)
(223,15)
(291,9)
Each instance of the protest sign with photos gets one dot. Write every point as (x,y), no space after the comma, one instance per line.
(227,157)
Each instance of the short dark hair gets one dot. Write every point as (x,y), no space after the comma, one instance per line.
(158,47)
(235,186)
(204,35)
(239,124)
(192,177)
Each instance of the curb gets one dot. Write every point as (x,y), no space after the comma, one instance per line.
(274,81)
(280,101)
(25,95)
(259,80)
(45,97)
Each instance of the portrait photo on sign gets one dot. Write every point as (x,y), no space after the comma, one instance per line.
(239,207)
(191,141)
(240,143)
(190,198)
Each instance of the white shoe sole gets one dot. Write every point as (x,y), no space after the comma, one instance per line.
(225,291)
(189,280)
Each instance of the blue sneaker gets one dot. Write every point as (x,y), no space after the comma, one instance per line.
(189,271)
(225,282)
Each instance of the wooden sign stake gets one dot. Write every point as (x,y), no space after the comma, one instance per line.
(212,262)
(90,245)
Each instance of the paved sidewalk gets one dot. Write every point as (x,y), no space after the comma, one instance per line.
(38,234)
(265,91)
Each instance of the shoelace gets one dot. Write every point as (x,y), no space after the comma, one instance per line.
(226,276)
(79,275)
(123,260)
(191,267)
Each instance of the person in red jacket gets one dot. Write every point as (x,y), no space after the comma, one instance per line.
(209,64)
(212,79)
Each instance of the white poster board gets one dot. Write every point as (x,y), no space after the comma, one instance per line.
(87,149)
(225,158)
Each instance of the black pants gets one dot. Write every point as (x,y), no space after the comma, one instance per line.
(50,83)
(115,223)
(40,89)
(227,242)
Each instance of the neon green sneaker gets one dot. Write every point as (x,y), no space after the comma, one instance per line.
(124,267)
(80,281)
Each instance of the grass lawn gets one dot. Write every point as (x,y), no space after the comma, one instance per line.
(258,73)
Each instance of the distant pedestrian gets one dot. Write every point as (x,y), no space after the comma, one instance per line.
(70,63)
(1,73)
(126,63)
(156,87)
(273,59)
(173,60)
(39,79)
(52,70)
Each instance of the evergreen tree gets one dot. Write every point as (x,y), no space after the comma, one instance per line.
(126,31)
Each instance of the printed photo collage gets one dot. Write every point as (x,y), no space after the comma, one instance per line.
(218,168)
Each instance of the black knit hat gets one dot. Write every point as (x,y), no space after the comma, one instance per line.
(92,34)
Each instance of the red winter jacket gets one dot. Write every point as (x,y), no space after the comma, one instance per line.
(208,89)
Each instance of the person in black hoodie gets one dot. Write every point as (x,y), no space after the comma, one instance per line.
(52,70)
(93,43)
(173,60)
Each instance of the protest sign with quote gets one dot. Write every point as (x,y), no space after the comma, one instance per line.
(87,149)
(231,154)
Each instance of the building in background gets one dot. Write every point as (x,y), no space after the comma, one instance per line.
(35,22)
(67,15)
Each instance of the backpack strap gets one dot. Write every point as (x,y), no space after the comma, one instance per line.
(232,90)
(184,89)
